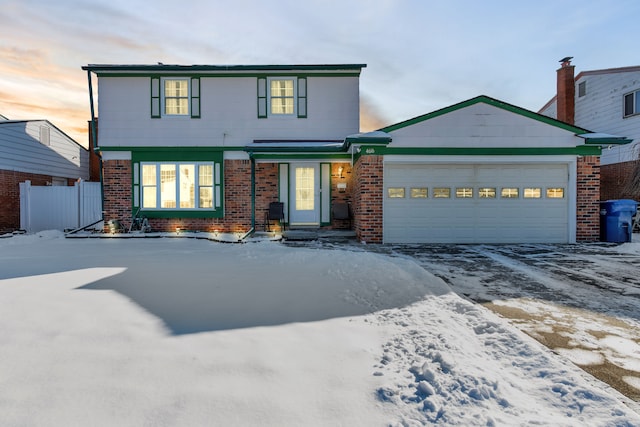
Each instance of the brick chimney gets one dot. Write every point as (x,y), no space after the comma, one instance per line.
(566,99)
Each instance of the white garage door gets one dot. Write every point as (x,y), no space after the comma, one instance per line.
(514,203)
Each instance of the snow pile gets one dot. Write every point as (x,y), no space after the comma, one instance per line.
(187,332)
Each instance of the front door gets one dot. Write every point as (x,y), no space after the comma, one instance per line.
(304,196)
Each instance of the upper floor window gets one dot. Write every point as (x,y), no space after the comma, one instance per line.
(175,96)
(632,103)
(582,89)
(282,96)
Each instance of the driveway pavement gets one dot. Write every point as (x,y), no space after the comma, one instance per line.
(582,301)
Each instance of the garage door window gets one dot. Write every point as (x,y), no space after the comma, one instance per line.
(532,193)
(509,193)
(441,193)
(487,193)
(464,192)
(419,193)
(395,192)
(555,193)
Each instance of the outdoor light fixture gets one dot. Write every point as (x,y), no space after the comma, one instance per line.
(340,169)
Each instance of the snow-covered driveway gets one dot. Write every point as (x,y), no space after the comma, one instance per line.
(582,301)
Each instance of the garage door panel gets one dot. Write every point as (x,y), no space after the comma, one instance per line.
(476,220)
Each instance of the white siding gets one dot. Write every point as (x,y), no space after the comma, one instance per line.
(21,150)
(601,110)
(482,125)
(228,113)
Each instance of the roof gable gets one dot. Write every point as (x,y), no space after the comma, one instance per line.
(489,101)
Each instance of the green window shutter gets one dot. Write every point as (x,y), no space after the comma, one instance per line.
(302,97)
(155,97)
(262,97)
(195,97)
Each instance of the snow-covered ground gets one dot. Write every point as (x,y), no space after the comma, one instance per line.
(134,332)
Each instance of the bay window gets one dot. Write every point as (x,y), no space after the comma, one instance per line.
(180,186)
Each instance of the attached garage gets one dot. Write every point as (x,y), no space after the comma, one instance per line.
(481,171)
(476,203)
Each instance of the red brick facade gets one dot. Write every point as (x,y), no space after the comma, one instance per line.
(368,194)
(620,181)
(10,196)
(117,187)
(364,192)
(588,198)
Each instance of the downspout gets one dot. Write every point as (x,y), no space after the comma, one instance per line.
(94,138)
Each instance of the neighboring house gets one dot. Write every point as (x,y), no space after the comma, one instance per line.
(209,147)
(606,101)
(37,151)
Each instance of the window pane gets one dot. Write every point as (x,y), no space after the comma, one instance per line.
(178,106)
(148,174)
(464,192)
(282,88)
(206,197)
(555,193)
(628,104)
(176,88)
(205,174)
(149,197)
(187,186)
(509,193)
(305,189)
(168,186)
(487,193)
(419,193)
(282,96)
(532,193)
(395,193)
(441,193)
(281,105)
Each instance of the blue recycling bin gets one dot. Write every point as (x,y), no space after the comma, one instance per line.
(615,220)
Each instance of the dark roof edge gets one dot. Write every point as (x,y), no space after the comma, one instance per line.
(175,67)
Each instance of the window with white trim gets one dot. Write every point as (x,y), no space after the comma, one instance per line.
(175,97)
(183,185)
(632,103)
(282,97)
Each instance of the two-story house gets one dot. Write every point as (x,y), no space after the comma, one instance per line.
(208,148)
(606,101)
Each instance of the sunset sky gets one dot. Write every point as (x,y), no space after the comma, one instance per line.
(421,55)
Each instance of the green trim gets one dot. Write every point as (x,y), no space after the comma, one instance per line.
(607,141)
(490,101)
(369,141)
(262,97)
(581,150)
(172,149)
(330,187)
(195,98)
(177,213)
(302,98)
(156,107)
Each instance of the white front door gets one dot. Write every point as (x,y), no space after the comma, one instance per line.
(304,196)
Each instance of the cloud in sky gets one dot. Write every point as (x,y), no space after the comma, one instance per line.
(420,56)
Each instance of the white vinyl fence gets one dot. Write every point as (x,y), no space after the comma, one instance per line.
(58,207)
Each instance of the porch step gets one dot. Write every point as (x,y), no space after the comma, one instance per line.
(300,235)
